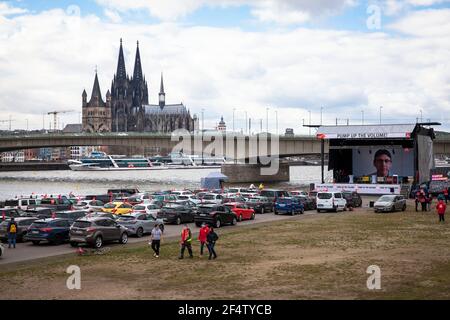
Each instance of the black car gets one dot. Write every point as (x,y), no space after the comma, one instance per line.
(56,204)
(38,212)
(22,228)
(308,203)
(71,215)
(54,231)
(260,204)
(354,200)
(274,194)
(214,215)
(176,213)
(105,198)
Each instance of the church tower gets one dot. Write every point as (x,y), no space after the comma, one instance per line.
(96,113)
(120,96)
(162,95)
(139,95)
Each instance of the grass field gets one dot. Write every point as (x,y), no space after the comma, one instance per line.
(321,256)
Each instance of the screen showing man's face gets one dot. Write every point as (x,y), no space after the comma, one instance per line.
(383,164)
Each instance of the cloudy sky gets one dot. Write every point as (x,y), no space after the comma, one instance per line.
(294,57)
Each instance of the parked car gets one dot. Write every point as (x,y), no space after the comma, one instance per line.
(55,231)
(390,203)
(38,212)
(22,228)
(105,198)
(233,198)
(212,198)
(71,215)
(134,200)
(101,214)
(241,210)
(56,204)
(95,231)
(308,203)
(89,205)
(118,207)
(274,194)
(176,213)
(139,223)
(152,209)
(298,193)
(10,213)
(331,201)
(190,197)
(214,215)
(289,205)
(181,193)
(353,199)
(164,197)
(260,204)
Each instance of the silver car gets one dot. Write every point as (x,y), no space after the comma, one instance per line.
(138,223)
(390,203)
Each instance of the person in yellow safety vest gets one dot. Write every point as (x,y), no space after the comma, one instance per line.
(12,233)
(261,186)
(186,241)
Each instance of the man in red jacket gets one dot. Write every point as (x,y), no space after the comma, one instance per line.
(440,207)
(204,230)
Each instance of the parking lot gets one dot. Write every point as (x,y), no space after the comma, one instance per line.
(27,251)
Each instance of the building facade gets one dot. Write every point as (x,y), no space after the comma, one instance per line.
(127,107)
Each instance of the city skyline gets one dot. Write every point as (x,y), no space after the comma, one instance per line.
(294,57)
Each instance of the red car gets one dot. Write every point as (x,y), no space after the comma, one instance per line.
(241,210)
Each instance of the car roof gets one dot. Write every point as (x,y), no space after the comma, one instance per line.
(71,211)
(51,220)
(18,219)
(209,205)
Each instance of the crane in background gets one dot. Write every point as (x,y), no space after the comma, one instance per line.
(10,120)
(55,113)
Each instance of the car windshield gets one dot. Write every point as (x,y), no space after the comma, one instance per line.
(284,200)
(110,206)
(139,207)
(205,209)
(126,218)
(324,195)
(49,201)
(81,204)
(11,203)
(209,197)
(233,190)
(40,224)
(386,199)
(267,193)
(82,224)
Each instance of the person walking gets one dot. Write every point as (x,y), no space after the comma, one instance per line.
(211,238)
(441,207)
(204,230)
(423,200)
(446,194)
(155,242)
(186,241)
(12,233)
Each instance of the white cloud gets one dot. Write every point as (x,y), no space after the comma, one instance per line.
(279,11)
(6,9)
(47,59)
(394,7)
(113,16)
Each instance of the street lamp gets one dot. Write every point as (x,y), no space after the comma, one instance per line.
(321,110)
(276,120)
(381,107)
(234,109)
(267,120)
(203,119)
(309,111)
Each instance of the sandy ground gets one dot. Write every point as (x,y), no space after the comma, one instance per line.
(322,256)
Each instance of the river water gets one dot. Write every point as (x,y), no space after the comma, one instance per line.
(81,182)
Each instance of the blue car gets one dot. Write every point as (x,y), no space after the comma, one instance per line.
(288,205)
(54,231)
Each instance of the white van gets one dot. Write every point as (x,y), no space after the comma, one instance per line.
(331,201)
(21,203)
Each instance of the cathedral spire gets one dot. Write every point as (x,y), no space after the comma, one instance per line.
(137,74)
(162,95)
(161,90)
(96,96)
(121,70)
